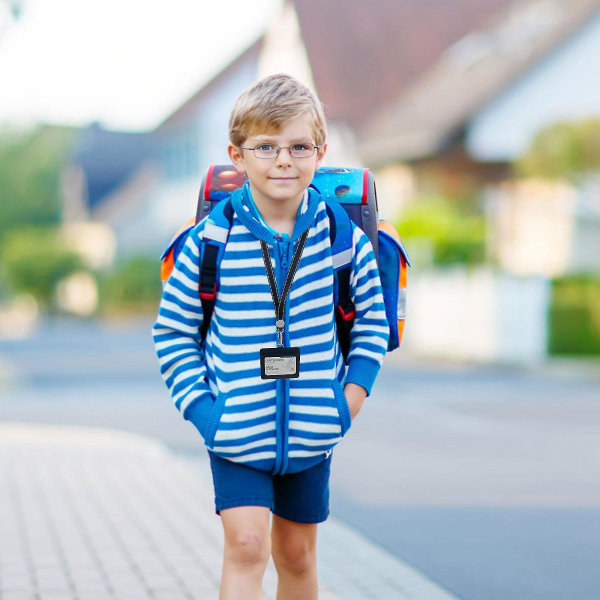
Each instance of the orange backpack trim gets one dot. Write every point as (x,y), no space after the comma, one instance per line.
(167,259)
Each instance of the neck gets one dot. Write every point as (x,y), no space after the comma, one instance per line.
(281,216)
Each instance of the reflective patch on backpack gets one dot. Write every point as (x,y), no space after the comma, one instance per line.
(216,233)
(342,258)
(401,304)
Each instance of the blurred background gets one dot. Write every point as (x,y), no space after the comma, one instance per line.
(481,122)
(479,119)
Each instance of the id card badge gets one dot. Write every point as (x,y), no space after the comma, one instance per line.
(279,363)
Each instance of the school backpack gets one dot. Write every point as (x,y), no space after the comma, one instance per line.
(350,195)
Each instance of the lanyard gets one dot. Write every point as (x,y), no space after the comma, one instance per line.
(279,302)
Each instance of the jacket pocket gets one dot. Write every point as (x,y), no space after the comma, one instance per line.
(214,419)
(342,406)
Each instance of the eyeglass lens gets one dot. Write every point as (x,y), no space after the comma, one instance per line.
(296,151)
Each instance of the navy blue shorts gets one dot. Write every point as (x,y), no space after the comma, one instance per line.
(300,497)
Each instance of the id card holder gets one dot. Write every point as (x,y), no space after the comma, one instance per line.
(279,363)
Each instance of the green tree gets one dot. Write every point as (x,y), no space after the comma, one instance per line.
(30,166)
(563,151)
(34,260)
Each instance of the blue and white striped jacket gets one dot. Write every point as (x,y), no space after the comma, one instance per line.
(281,425)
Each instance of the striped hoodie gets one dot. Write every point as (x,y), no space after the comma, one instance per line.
(276,425)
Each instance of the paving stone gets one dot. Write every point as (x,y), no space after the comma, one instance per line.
(93,514)
(56,594)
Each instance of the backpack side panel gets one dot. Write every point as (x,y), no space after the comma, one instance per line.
(370,212)
(393,270)
(171,252)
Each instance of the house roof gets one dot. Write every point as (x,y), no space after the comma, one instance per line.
(432,112)
(364,54)
(108,158)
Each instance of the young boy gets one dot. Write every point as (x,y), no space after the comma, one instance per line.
(264,388)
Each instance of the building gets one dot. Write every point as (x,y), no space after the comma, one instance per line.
(439,94)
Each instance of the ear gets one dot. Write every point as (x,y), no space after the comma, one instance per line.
(237,158)
(320,156)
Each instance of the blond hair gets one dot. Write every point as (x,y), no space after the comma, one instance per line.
(270,103)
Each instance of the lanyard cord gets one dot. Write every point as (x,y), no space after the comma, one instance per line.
(279,302)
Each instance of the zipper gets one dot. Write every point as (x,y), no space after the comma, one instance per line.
(285,425)
(282,385)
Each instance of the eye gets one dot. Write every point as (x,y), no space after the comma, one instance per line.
(265,147)
(301,147)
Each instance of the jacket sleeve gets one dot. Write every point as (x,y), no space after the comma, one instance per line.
(176,335)
(370,332)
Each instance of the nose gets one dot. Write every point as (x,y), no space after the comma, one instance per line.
(284,158)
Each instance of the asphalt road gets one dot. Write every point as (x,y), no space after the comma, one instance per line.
(489,480)
(484,478)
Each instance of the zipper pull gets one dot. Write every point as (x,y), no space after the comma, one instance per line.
(280,325)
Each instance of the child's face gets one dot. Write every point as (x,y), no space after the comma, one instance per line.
(281,180)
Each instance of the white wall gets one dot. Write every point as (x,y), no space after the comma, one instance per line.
(479,315)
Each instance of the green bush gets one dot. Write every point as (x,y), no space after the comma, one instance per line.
(452,235)
(132,285)
(34,260)
(574,316)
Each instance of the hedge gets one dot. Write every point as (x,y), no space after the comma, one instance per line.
(574,316)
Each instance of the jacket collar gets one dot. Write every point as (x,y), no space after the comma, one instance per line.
(245,209)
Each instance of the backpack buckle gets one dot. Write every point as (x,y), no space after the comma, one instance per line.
(347,315)
(210,295)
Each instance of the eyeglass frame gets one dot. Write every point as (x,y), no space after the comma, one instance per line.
(279,149)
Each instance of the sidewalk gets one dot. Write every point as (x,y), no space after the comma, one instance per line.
(93,514)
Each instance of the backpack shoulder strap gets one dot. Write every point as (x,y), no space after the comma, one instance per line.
(214,239)
(340,236)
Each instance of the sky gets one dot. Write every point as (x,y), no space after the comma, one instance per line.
(125,63)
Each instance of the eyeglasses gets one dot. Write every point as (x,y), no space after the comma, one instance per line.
(270,151)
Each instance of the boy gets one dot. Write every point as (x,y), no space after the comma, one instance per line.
(264,387)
